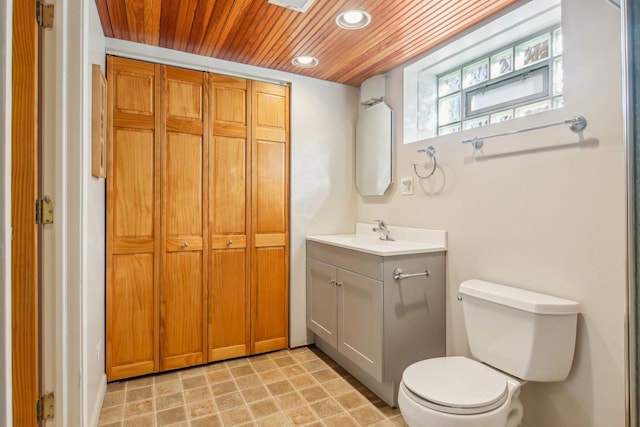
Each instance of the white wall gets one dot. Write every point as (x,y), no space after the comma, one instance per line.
(5,211)
(540,211)
(93,235)
(322,157)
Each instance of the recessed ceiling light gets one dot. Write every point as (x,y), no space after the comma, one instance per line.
(353,19)
(305,61)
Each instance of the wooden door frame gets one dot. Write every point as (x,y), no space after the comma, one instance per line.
(6,18)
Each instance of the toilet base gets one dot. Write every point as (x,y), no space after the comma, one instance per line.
(507,415)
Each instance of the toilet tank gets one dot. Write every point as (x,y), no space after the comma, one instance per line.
(526,334)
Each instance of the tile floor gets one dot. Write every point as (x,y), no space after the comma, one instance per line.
(299,387)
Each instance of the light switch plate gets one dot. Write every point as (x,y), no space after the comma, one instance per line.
(406,186)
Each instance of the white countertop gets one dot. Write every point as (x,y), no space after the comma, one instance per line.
(407,240)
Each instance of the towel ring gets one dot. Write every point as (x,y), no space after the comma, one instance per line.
(431,153)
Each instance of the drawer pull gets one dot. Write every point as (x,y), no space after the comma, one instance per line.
(185,245)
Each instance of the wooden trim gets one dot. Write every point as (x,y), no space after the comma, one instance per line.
(24,191)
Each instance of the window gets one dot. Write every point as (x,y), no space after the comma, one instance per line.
(513,81)
(509,67)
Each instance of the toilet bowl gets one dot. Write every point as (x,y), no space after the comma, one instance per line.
(515,336)
(458,392)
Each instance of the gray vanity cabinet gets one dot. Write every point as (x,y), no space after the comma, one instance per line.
(370,323)
(345,309)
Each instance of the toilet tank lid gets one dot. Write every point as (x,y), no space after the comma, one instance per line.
(521,299)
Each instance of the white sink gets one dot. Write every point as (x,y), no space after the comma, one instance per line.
(407,240)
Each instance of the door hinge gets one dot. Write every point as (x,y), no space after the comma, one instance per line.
(44,14)
(45,407)
(44,211)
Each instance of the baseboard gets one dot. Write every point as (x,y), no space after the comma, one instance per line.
(97,405)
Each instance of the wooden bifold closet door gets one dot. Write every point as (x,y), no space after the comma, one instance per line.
(197,218)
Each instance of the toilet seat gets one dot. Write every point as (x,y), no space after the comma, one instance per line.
(455,385)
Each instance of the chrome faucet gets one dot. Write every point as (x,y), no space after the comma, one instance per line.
(382,230)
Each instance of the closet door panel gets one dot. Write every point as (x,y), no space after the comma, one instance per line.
(270,217)
(131,320)
(133,218)
(229,219)
(228,302)
(183,294)
(182,304)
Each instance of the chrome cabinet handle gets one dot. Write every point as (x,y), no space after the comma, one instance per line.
(332,282)
(185,245)
(339,283)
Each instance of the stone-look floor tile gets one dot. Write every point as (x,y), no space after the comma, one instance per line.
(139,393)
(263,365)
(263,408)
(285,361)
(142,421)
(217,366)
(211,421)
(290,400)
(171,416)
(112,414)
(222,388)
(139,382)
(313,394)
(325,375)
(399,421)
(249,381)
(237,362)
(259,358)
(194,382)
(327,408)
(169,401)
(313,365)
(351,400)
(337,387)
(254,394)
(192,372)
(168,387)
(169,376)
(116,424)
(229,401)
(367,415)
(113,399)
(303,381)
(117,386)
(304,356)
(196,394)
(139,407)
(385,423)
(386,410)
(219,375)
(201,408)
(301,416)
(235,417)
(278,354)
(293,370)
(276,420)
(342,420)
(271,376)
(280,387)
(242,370)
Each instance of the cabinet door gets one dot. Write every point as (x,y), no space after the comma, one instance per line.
(183,293)
(270,217)
(322,301)
(133,219)
(229,216)
(360,316)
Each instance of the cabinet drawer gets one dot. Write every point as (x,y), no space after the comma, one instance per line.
(357,262)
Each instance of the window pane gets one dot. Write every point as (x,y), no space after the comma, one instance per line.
(502,116)
(533,51)
(449,129)
(449,109)
(449,83)
(538,107)
(558,81)
(502,63)
(476,123)
(475,73)
(557,42)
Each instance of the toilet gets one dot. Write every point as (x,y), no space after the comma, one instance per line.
(515,336)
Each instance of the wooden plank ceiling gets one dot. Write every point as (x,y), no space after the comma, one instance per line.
(258,33)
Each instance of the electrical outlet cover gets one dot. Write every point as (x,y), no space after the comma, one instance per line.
(406,186)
